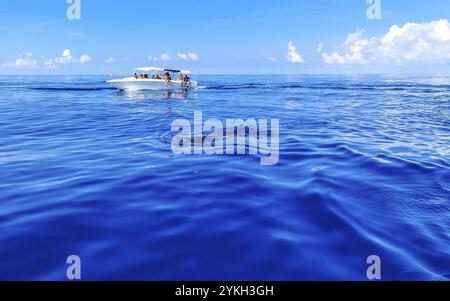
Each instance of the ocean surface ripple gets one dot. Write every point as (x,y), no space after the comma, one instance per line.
(364,170)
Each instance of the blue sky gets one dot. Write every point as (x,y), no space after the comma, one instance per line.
(245,36)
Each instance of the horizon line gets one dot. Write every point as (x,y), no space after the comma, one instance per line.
(247,74)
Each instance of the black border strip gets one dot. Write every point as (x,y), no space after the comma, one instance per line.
(150,290)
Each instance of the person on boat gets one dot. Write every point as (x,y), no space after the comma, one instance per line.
(187,80)
(146,76)
(167,77)
(156,76)
(181,78)
(135,75)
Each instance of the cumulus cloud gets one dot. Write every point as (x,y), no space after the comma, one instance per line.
(164,57)
(293,56)
(24,61)
(272,59)
(188,56)
(320,47)
(333,58)
(67,58)
(83,59)
(412,42)
(109,60)
(356,49)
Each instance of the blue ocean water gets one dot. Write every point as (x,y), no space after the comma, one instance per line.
(364,170)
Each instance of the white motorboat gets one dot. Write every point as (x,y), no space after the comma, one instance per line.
(153,78)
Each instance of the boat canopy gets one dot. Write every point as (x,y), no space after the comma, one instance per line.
(148,69)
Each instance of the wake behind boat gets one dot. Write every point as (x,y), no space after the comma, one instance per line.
(154,78)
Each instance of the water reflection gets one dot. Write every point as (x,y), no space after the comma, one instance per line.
(144,95)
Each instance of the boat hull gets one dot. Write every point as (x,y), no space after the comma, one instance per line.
(133,84)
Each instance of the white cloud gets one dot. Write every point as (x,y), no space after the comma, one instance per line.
(333,58)
(354,46)
(83,59)
(193,56)
(109,60)
(24,61)
(293,56)
(182,56)
(67,58)
(164,57)
(320,47)
(188,56)
(412,42)
(272,59)
(441,31)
